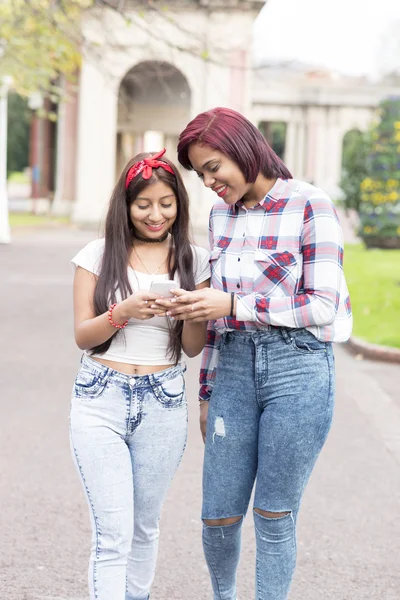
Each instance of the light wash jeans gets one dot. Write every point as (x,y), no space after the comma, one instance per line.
(269,415)
(128,435)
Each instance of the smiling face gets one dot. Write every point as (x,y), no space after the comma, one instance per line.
(219,173)
(154,210)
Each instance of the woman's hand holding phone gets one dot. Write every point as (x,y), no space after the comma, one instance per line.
(166,291)
(141,305)
(138,306)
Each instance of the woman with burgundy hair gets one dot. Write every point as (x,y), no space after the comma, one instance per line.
(128,409)
(278,299)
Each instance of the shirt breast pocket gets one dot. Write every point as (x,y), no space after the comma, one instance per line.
(275,270)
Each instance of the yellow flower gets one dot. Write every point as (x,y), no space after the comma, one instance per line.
(366,184)
(391,183)
(398,231)
(367,229)
(397,125)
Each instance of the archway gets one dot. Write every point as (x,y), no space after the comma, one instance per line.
(153,107)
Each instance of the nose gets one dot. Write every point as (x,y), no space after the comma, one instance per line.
(155,214)
(208,180)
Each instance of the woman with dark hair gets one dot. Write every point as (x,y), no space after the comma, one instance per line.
(278,299)
(128,411)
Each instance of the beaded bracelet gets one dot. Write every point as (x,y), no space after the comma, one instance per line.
(112,322)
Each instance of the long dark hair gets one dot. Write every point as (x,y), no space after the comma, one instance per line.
(119,237)
(235,136)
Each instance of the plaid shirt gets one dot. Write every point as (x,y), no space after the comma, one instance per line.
(283,258)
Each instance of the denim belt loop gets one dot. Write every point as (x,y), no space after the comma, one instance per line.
(286,336)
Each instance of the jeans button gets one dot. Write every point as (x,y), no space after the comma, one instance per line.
(132,382)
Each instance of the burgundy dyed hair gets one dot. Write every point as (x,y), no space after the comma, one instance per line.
(235,136)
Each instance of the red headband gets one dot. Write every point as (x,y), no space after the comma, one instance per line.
(146,167)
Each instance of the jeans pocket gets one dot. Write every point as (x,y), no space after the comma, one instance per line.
(308,345)
(171,392)
(89,384)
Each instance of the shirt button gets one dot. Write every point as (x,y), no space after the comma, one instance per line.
(238,285)
(239,259)
(132,381)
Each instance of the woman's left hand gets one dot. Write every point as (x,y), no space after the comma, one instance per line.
(205,304)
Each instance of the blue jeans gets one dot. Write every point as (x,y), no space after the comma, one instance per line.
(128,434)
(269,415)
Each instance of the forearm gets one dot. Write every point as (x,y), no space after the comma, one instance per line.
(193,337)
(302,310)
(209,362)
(96,331)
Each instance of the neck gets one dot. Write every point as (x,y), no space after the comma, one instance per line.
(138,238)
(258,190)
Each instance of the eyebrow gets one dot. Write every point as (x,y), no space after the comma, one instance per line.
(163,197)
(208,162)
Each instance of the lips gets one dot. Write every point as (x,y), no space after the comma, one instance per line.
(155,227)
(221,190)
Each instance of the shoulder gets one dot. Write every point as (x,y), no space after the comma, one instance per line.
(201,264)
(200,254)
(308,192)
(90,256)
(308,199)
(219,209)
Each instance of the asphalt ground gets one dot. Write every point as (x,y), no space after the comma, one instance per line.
(349,531)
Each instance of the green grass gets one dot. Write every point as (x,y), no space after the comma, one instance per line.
(29,220)
(17,177)
(373,278)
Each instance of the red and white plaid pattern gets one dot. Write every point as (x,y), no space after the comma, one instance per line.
(284,260)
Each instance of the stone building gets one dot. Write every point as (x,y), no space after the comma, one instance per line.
(147,71)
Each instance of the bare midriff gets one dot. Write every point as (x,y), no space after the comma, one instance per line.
(128,369)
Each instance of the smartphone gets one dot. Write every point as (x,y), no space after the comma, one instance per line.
(163,288)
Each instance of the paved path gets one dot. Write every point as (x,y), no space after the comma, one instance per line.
(349,532)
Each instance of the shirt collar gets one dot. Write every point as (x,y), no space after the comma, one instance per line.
(274,195)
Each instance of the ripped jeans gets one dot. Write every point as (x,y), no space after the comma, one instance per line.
(269,415)
(128,434)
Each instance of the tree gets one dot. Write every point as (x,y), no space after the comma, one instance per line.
(18,133)
(39,39)
(380,190)
(354,167)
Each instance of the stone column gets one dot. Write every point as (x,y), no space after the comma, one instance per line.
(65,180)
(96,157)
(334,172)
(291,147)
(300,149)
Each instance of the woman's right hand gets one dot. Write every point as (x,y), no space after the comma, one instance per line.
(138,306)
(203,418)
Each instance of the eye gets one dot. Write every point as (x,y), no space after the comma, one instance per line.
(214,169)
(141,207)
(166,205)
(200,175)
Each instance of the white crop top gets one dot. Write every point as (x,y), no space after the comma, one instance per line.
(140,342)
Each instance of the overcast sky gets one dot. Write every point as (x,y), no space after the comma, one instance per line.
(345,35)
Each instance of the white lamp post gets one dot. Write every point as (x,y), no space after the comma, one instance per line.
(5,236)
